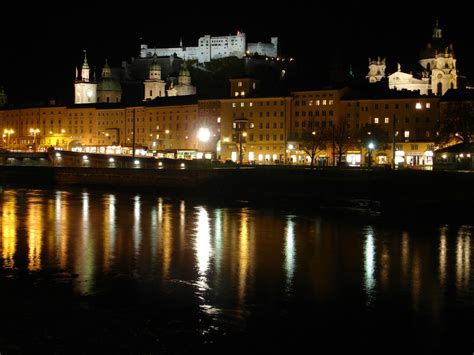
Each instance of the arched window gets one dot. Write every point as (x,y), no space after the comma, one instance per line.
(439,89)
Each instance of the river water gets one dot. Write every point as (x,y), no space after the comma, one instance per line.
(92,271)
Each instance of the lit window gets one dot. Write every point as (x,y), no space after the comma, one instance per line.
(233,104)
(407,134)
(240,84)
(317,102)
(324,102)
(218,120)
(252,125)
(376,120)
(331,102)
(428,105)
(236,93)
(310,102)
(251,104)
(418,106)
(242,104)
(387,120)
(242,93)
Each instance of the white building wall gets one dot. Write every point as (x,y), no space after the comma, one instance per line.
(214,48)
(154,89)
(85,93)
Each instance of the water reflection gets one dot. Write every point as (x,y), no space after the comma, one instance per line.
(230,263)
(443,255)
(9,228)
(369,263)
(289,251)
(137,232)
(85,250)
(244,255)
(202,246)
(35,228)
(109,230)
(463,257)
(61,227)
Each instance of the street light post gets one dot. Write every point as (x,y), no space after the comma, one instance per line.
(8,132)
(34,132)
(241,152)
(371,146)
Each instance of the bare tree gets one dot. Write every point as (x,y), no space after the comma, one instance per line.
(342,139)
(457,122)
(313,142)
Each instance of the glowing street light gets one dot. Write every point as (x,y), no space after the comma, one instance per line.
(8,133)
(34,132)
(371,146)
(204,134)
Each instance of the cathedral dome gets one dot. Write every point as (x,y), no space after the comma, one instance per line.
(154,66)
(108,84)
(184,71)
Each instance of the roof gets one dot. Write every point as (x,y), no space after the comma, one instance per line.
(458,148)
(458,95)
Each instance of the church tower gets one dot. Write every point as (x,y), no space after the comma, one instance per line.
(376,70)
(85,88)
(439,63)
(108,89)
(154,86)
(184,86)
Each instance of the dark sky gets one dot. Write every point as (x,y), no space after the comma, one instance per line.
(39,50)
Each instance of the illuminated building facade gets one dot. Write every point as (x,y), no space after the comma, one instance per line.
(210,47)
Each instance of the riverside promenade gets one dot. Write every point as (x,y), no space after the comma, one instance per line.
(391,191)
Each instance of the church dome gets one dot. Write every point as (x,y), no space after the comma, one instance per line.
(155,66)
(184,71)
(108,84)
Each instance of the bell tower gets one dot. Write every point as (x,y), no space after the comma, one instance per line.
(85,89)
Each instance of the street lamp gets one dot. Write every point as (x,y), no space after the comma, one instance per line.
(371,146)
(8,132)
(34,132)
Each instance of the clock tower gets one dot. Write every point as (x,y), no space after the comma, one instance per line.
(85,89)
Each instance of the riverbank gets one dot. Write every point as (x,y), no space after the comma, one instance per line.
(399,191)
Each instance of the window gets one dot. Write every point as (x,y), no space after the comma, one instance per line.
(239,84)
(218,120)
(331,102)
(233,104)
(414,147)
(242,104)
(418,106)
(376,120)
(324,102)
(428,105)
(387,120)
(251,104)
(236,93)
(407,134)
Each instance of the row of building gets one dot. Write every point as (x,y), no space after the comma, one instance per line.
(247,128)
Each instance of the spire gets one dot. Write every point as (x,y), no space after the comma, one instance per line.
(437,32)
(85,65)
(85,68)
(106,72)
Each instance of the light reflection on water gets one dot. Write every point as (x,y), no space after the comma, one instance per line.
(233,260)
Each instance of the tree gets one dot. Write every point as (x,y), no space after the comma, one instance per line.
(342,139)
(457,122)
(313,141)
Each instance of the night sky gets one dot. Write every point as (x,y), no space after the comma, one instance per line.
(39,50)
